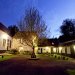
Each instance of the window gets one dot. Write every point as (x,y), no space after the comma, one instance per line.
(4,42)
(9,43)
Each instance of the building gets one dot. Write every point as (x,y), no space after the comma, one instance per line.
(5,38)
(23,41)
(48,46)
(68,48)
(52,46)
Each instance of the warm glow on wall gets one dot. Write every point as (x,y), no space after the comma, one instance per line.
(4,36)
(74,47)
(34,41)
(20,49)
(54,49)
(36,50)
(47,48)
(60,48)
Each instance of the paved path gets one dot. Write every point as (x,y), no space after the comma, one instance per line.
(23,66)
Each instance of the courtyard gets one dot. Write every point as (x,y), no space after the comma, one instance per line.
(45,65)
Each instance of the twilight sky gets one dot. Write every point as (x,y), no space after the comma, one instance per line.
(52,11)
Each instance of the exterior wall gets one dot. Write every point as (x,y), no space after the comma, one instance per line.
(5,39)
(16,44)
(54,50)
(68,50)
(63,50)
(46,49)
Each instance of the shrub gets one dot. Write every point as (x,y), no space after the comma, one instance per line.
(13,51)
(59,57)
(25,52)
(55,56)
(67,58)
(63,57)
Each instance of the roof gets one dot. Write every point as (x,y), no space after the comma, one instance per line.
(67,43)
(48,42)
(4,28)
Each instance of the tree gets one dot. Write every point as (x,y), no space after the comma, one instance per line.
(13,30)
(68,27)
(68,30)
(34,25)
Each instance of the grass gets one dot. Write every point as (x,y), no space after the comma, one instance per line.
(71,72)
(6,57)
(55,57)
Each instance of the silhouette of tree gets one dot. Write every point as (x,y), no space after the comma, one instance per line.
(68,27)
(13,30)
(68,30)
(31,23)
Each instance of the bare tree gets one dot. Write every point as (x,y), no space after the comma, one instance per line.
(33,22)
(33,27)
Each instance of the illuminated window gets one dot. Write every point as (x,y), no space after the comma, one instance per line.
(9,43)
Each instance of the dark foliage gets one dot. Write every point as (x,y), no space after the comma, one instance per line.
(13,29)
(68,30)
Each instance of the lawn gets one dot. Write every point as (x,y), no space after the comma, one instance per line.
(71,72)
(6,57)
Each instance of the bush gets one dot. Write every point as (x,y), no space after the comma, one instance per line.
(25,52)
(55,56)
(59,57)
(63,57)
(13,51)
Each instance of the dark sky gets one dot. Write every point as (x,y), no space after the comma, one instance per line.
(53,12)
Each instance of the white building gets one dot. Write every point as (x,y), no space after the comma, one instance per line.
(21,44)
(5,38)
